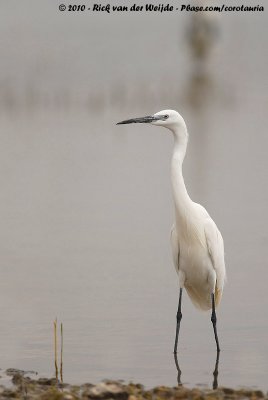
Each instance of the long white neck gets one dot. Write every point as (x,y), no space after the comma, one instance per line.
(180,195)
(187,220)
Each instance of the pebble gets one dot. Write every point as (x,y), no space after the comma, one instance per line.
(52,389)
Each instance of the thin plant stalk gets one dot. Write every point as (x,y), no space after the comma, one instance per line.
(56,349)
(61,352)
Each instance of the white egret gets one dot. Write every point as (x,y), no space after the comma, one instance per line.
(197,244)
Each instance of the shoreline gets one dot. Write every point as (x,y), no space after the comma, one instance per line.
(25,387)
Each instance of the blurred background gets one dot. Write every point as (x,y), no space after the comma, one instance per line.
(86,205)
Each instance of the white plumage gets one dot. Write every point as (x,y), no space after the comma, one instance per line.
(197,244)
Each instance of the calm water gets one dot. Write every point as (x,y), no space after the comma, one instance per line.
(86,206)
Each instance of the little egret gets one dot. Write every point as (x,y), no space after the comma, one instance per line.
(197,244)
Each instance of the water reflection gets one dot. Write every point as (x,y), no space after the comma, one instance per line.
(215,371)
(61,211)
(178,369)
(201,37)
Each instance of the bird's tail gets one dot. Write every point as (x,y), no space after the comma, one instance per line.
(218,294)
(204,302)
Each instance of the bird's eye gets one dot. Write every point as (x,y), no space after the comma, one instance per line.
(166,116)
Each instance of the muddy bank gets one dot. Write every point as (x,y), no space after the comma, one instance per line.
(26,387)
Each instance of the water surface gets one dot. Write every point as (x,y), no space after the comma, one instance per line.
(86,206)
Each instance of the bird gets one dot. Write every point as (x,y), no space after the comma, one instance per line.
(196,242)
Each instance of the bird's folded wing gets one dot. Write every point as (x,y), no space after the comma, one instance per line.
(216,251)
(175,247)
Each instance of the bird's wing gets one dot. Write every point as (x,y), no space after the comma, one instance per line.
(175,247)
(176,255)
(216,251)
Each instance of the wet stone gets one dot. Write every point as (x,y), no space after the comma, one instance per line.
(47,381)
(258,393)
(17,379)
(181,394)
(132,397)
(51,389)
(8,394)
(107,391)
(162,391)
(15,371)
(227,390)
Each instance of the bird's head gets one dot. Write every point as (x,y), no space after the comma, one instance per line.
(167,118)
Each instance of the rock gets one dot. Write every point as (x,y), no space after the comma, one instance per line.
(258,393)
(51,389)
(104,390)
(15,371)
(47,381)
(9,394)
(132,397)
(227,390)
(17,379)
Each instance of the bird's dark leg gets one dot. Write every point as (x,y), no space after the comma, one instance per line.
(179,316)
(214,321)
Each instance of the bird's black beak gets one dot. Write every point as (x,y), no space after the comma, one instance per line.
(142,120)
